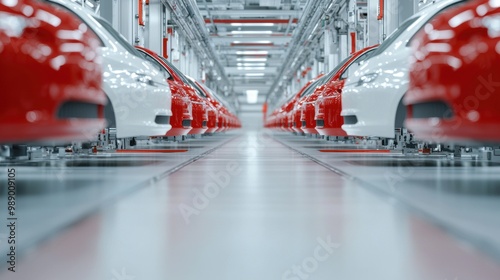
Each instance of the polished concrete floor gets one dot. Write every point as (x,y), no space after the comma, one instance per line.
(253,205)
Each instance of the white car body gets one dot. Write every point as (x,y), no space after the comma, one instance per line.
(138,92)
(373,93)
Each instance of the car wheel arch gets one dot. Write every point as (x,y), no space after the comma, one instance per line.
(109,113)
(401,114)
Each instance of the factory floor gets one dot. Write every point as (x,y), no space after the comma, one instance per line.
(252,205)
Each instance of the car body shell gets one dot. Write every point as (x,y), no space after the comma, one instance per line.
(50,74)
(271,119)
(373,93)
(298,112)
(140,97)
(324,105)
(287,118)
(199,109)
(181,102)
(454,78)
(213,108)
(199,113)
(208,113)
(282,116)
(229,111)
(223,116)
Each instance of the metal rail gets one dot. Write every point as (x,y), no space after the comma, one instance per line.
(305,35)
(192,25)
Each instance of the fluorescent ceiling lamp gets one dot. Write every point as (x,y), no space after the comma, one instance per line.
(251,64)
(252,42)
(89,4)
(251,68)
(252,96)
(264,59)
(238,32)
(252,52)
(254,74)
(253,24)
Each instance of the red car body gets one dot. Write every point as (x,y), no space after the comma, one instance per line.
(283,118)
(50,74)
(213,121)
(270,121)
(231,121)
(274,119)
(227,120)
(298,111)
(181,102)
(199,107)
(210,113)
(235,121)
(217,118)
(320,112)
(295,113)
(454,80)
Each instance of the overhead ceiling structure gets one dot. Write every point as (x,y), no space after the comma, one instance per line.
(262,44)
(252,38)
(191,24)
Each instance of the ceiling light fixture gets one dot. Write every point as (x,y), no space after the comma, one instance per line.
(253,59)
(252,42)
(254,74)
(252,52)
(239,32)
(251,68)
(251,64)
(252,96)
(253,24)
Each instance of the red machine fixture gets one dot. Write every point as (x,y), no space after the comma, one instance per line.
(141,3)
(353,42)
(381,9)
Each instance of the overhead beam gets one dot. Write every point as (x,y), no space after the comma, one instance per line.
(247,39)
(306,34)
(195,32)
(244,87)
(252,13)
(262,34)
(232,51)
(253,78)
(252,20)
(253,44)
(236,70)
